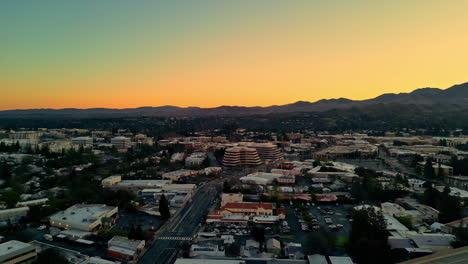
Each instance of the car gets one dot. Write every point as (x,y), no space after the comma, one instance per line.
(42,227)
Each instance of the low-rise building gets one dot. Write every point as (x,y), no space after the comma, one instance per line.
(85,142)
(195,159)
(231,198)
(123,248)
(206,249)
(176,175)
(247,208)
(14,251)
(121,142)
(85,217)
(12,213)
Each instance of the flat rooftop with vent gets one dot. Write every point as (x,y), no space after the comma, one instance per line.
(16,252)
(85,217)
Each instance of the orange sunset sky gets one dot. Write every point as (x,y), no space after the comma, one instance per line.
(121,54)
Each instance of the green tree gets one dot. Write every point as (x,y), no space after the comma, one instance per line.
(406,221)
(368,237)
(320,242)
(136,233)
(164,208)
(461,234)
(11,198)
(258,233)
(428,169)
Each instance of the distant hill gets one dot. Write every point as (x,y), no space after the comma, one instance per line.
(425,99)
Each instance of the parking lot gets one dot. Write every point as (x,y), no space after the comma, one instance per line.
(126,220)
(337,214)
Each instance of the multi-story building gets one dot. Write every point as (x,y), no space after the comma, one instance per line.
(241,156)
(84,217)
(458,181)
(121,142)
(14,251)
(85,142)
(32,135)
(267,151)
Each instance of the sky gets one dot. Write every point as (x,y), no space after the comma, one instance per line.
(207,53)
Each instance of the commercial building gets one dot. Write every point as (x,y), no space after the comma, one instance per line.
(267,151)
(84,217)
(121,142)
(111,180)
(123,248)
(9,214)
(176,175)
(458,181)
(82,142)
(195,159)
(246,208)
(429,214)
(31,135)
(231,198)
(208,261)
(33,202)
(13,251)
(241,156)
(116,183)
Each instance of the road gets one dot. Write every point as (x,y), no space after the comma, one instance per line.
(182,227)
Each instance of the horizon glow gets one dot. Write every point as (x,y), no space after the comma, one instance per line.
(207,53)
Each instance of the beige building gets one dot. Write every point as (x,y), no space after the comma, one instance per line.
(84,217)
(241,156)
(231,198)
(249,209)
(13,212)
(14,251)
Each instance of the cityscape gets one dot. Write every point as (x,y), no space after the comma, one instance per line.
(232,132)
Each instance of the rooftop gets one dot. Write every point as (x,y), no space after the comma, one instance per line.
(83,212)
(12,246)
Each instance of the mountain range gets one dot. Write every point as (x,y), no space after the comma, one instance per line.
(426,99)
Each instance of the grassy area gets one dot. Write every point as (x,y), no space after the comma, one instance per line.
(341,241)
(288,236)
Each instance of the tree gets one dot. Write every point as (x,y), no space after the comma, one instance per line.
(461,234)
(50,255)
(11,198)
(428,169)
(258,233)
(136,233)
(227,186)
(368,237)
(406,221)
(320,242)
(164,208)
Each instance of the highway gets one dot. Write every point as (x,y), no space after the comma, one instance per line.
(182,227)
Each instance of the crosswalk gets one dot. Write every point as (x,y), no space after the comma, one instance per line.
(176,238)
